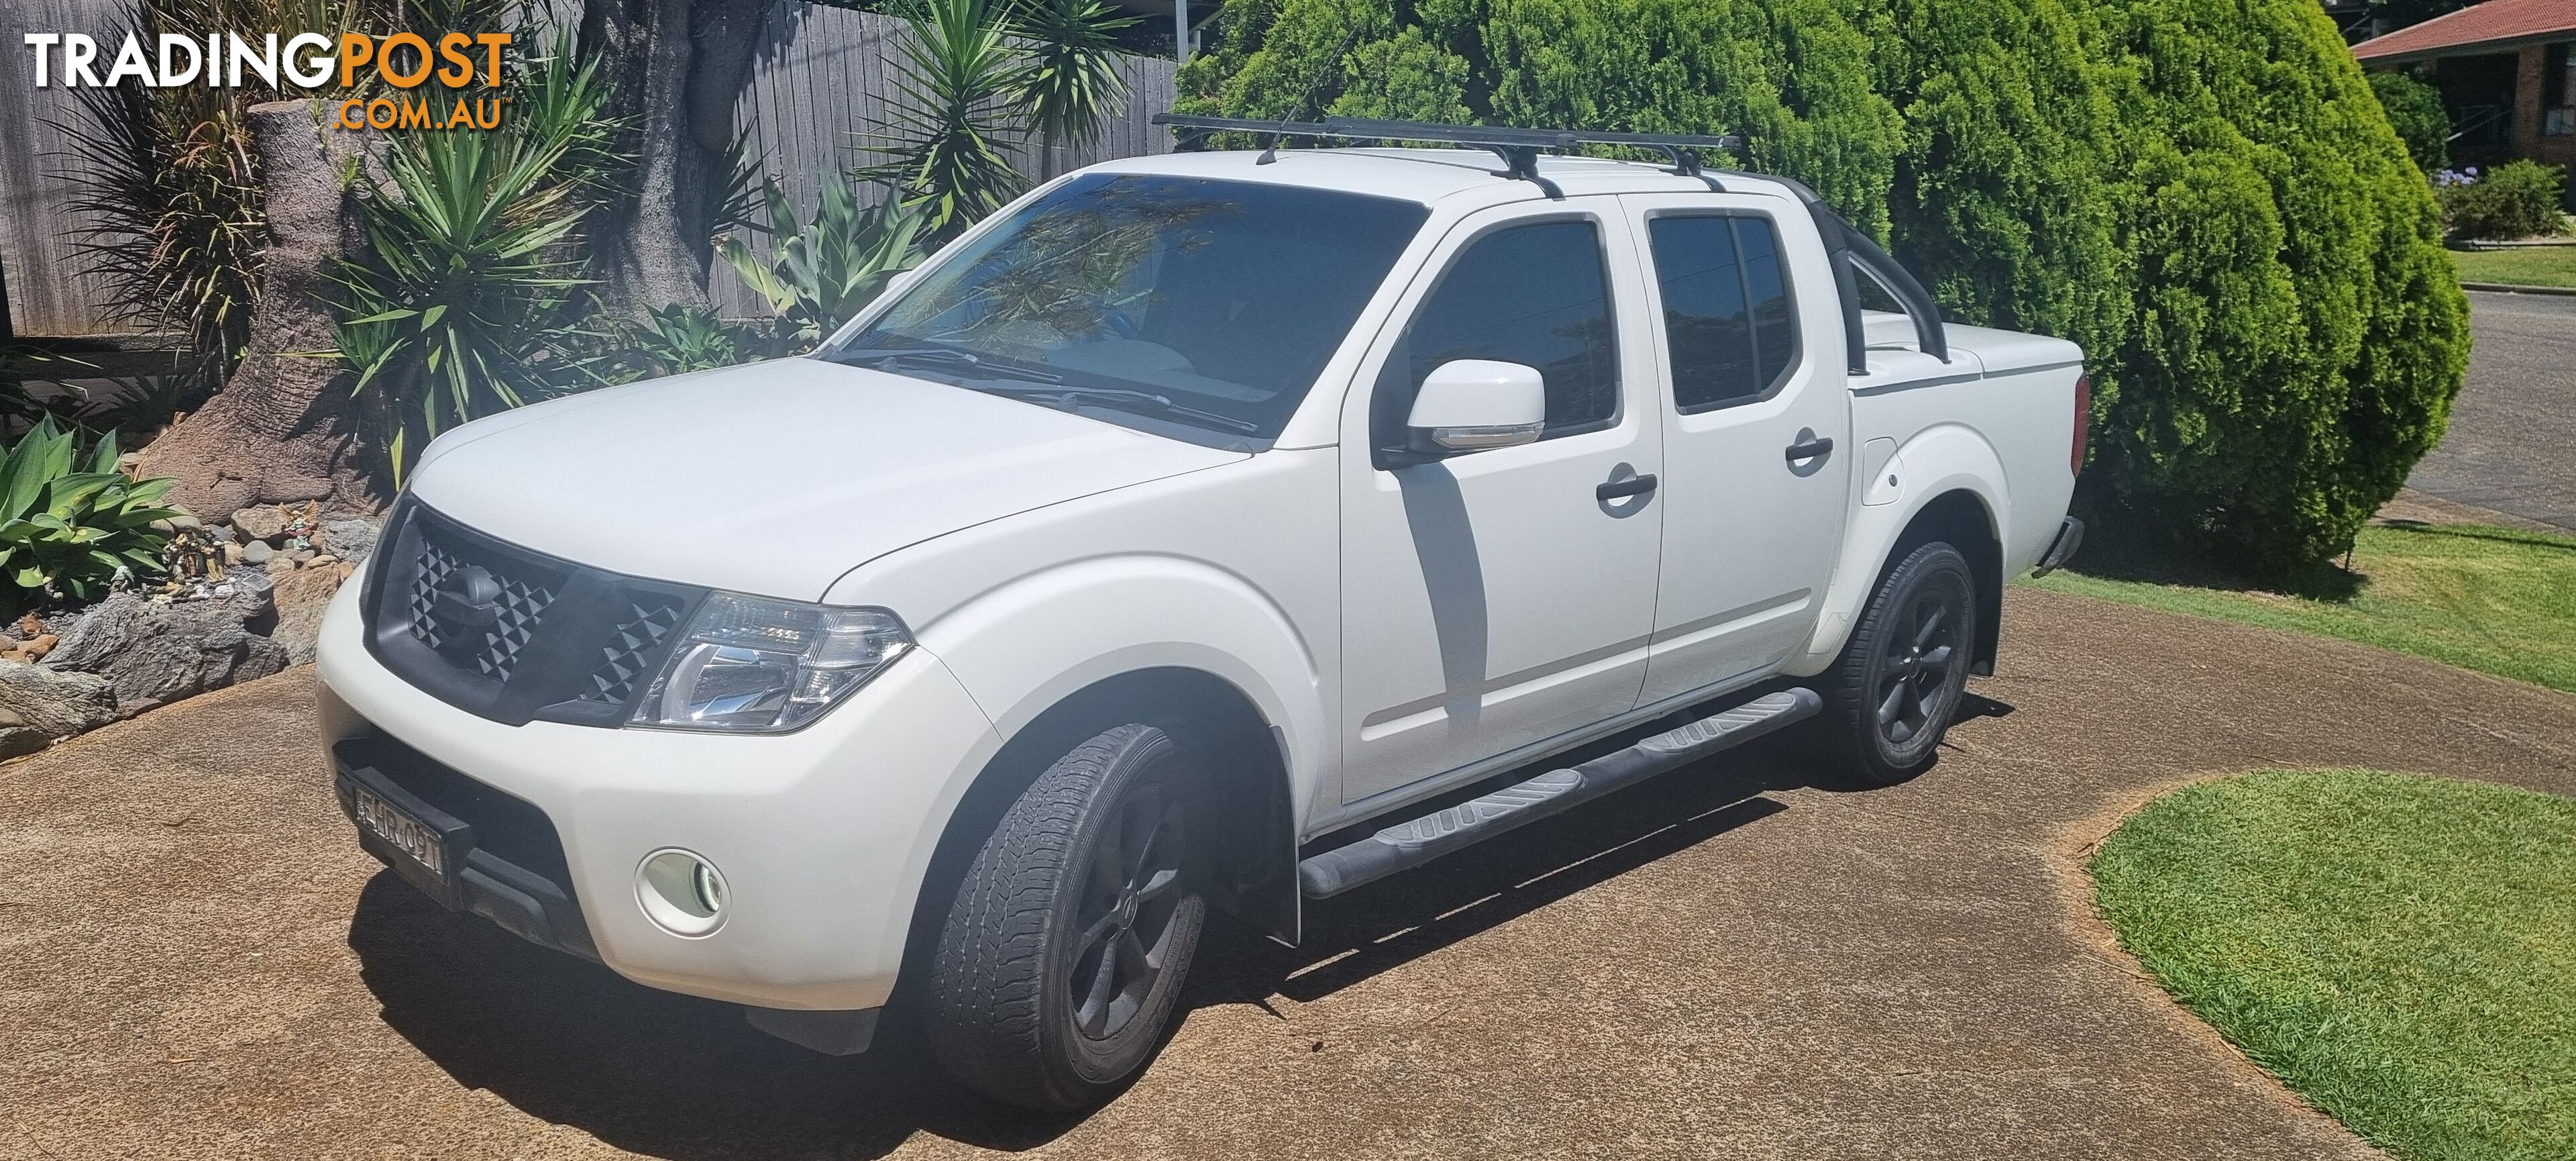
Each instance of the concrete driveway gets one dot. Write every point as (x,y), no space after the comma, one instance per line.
(2512,443)
(1727,962)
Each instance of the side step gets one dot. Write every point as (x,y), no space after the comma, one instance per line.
(1407,845)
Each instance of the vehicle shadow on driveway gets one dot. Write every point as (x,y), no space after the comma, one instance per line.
(678,1077)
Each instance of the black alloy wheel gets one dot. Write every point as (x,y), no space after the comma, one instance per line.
(1062,959)
(1915,690)
(1890,697)
(1129,903)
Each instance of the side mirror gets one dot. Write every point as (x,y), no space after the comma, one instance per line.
(1471,405)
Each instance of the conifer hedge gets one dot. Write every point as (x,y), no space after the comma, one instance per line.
(2207,196)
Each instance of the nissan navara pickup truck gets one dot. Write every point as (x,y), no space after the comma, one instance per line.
(1211,532)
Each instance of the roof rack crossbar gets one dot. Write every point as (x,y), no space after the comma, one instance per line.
(1517,147)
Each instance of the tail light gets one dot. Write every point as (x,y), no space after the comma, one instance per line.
(2083,424)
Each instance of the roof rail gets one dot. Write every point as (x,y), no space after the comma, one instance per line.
(1850,251)
(1519,148)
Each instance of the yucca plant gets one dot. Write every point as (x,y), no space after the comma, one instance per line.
(820,273)
(1069,83)
(169,184)
(470,299)
(960,71)
(71,525)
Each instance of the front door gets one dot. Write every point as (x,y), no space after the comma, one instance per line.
(1498,598)
(1757,447)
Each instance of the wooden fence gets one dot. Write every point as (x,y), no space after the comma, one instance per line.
(824,81)
(822,86)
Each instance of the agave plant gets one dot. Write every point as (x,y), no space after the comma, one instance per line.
(820,273)
(469,300)
(677,339)
(71,525)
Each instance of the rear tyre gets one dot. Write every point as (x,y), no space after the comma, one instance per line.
(1064,951)
(1891,695)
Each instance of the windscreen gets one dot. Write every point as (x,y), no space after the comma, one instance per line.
(1151,300)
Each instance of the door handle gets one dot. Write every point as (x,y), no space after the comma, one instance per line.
(1622,489)
(1809,449)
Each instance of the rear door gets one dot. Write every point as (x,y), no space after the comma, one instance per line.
(1498,598)
(1747,345)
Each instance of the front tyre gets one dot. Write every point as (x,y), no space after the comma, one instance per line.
(1063,954)
(1892,694)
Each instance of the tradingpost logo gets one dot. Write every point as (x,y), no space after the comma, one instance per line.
(355,61)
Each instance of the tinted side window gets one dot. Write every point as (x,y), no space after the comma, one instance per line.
(1535,295)
(1727,312)
(1775,322)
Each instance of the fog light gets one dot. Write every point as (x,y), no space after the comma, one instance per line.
(681,892)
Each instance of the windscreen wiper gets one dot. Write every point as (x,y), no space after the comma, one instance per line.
(877,355)
(1112,397)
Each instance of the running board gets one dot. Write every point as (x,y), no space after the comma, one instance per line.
(1407,845)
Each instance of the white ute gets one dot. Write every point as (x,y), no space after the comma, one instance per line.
(1214,531)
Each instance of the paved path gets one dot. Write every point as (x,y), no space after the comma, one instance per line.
(2512,442)
(1722,963)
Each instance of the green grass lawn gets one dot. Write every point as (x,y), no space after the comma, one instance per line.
(2525,266)
(2491,599)
(2399,949)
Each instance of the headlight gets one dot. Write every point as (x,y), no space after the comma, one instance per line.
(754,665)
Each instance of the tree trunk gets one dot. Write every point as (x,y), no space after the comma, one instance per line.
(283,427)
(673,69)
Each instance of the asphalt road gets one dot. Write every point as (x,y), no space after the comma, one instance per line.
(1724,962)
(2512,442)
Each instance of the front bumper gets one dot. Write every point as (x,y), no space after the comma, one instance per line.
(506,863)
(823,836)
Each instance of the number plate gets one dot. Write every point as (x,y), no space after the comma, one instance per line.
(406,834)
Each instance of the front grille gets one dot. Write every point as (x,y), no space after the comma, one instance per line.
(495,648)
(633,650)
(513,634)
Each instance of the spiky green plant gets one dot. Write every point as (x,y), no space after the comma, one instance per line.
(470,298)
(169,183)
(959,71)
(820,273)
(1069,82)
(71,524)
(673,340)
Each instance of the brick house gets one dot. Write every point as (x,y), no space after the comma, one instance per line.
(2506,73)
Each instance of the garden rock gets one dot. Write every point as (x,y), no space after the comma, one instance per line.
(261,523)
(39,704)
(348,539)
(301,596)
(257,552)
(154,652)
